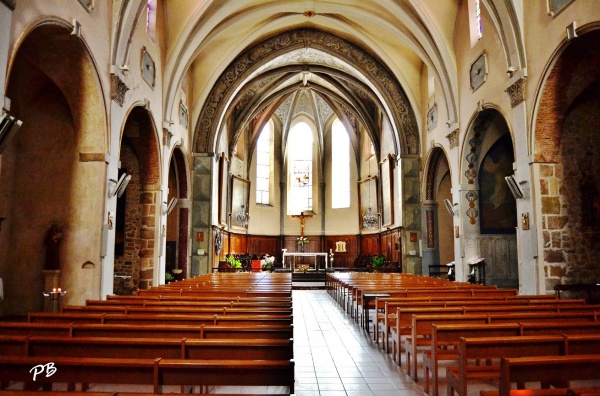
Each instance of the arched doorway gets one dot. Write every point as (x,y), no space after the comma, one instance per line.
(138,206)
(489,211)
(438,222)
(177,208)
(566,152)
(58,151)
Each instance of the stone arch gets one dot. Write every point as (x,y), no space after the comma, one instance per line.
(401,116)
(565,148)
(498,245)
(139,207)
(55,90)
(178,220)
(438,223)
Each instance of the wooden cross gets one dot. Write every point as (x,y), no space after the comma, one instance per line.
(302,218)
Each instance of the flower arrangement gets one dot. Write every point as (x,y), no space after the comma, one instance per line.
(302,241)
(169,277)
(268,262)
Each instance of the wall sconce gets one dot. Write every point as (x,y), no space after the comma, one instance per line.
(170,206)
(120,185)
(452,208)
(9,126)
(514,187)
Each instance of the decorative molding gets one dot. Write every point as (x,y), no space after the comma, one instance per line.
(283,111)
(429,221)
(117,89)
(453,139)
(517,92)
(264,52)
(432,168)
(167,135)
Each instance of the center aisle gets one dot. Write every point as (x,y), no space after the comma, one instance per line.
(334,356)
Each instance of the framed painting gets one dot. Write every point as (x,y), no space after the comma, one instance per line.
(240,196)
(387,192)
(223,184)
(367,200)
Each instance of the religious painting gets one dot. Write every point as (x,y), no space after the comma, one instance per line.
(556,6)
(240,196)
(478,72)
(223,184)
(148,68)
(387,192)
(368,203)
(498,208)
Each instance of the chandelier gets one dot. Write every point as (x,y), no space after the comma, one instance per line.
(370,220)
(243,217)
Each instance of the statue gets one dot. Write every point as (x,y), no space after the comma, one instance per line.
(52,242)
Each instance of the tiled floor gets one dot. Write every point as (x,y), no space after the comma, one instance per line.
(334,356)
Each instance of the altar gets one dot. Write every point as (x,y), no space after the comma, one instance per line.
(293,255)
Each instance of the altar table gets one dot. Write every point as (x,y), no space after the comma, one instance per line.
(314,255)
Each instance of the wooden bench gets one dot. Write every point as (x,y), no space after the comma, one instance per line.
(550,370)
(188,319)
(488,348)
(147,348)
(155,372)
(152,330)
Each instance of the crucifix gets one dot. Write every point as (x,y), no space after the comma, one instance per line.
(302,218)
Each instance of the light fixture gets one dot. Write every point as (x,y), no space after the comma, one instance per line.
(9,126)
(170,206)
(514,187)
(120,185)
(452,209)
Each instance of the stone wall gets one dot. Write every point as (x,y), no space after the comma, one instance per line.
(567,145)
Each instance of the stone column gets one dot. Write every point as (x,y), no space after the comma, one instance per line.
(202,205)
(431,248)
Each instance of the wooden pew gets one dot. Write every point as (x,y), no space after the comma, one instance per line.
(188,319)
(154,331)
(487,348)
(445,338)
(155,372)
(146,348)
(444,345)
(162,309)
(551,370)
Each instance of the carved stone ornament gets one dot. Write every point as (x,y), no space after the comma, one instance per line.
(117,89)
(264,52)
(516,92)
(453,139)
(167,135)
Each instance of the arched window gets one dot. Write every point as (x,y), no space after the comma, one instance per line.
(340,166)
(151,18)
(475,21)
(300,148)
(263,164)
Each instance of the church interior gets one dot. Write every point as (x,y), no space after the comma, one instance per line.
(371,147)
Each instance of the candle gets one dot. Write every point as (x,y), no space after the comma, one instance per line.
(59,289)
(329,251)
(54,290)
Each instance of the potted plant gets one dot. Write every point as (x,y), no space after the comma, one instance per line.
(234,262)
(377,262)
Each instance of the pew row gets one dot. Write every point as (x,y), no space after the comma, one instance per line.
(156,372)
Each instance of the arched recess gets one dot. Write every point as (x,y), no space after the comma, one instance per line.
(566,152)
(488,208)
(139,207)
(438,223)
(177,233)
(57,154)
